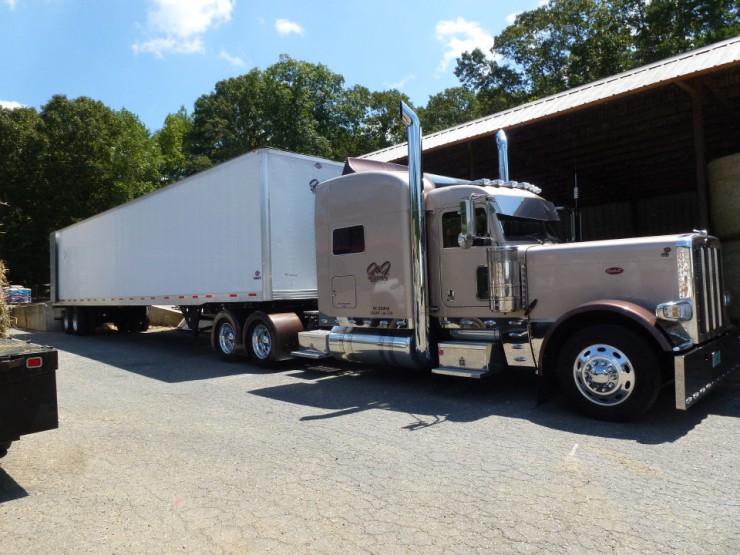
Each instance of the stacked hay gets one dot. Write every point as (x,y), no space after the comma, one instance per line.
(4,311)
(724,193)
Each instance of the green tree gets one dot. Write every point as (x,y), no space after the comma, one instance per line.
(449,108)
(568,43)
(300,106)
(22,151)
(74,159)
(229,121)
(670,27)
(97,158)
(175,162)
(296,106)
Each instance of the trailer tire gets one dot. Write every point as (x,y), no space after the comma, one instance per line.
(67,321)
(260,340)
(81,324)
(226,337)
(4,446)
(610,372)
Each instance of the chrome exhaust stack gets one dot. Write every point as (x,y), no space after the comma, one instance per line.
(503,156)
(418,236)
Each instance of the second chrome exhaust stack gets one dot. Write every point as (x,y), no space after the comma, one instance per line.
(503,156)
(418,235)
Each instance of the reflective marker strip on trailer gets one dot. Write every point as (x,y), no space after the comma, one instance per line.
(155,300)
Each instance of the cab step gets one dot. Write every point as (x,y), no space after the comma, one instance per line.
(461,372)
(465,359)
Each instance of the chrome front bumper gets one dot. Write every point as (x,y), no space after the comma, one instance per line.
(699,370)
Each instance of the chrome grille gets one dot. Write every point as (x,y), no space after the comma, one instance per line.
(709,289)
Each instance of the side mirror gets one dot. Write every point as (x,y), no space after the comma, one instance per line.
(467,224)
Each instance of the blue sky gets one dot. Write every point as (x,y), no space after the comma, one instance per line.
(153,56)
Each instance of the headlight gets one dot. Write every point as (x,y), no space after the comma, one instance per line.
(676,311)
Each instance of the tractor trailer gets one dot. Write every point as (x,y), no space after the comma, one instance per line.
(386,265)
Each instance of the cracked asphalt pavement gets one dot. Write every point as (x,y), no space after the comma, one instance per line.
(164,448)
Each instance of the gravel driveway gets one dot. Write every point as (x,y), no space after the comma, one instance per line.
(163,447)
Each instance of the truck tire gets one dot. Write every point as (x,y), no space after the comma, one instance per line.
(259,341)
(67,320)
(226,335)
(80,321)
(610,372)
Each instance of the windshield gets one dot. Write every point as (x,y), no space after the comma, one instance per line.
(527,229)
(523,207)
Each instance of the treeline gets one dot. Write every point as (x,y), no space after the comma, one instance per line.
(77,157)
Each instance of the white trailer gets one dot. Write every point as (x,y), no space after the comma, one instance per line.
(239,236)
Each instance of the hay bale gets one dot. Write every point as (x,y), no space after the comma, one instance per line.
(724,195)
(4,311)
(731,266)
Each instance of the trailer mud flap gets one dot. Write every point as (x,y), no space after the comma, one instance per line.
(698,371)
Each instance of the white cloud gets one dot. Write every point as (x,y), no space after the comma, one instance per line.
(511,18)
(235,61)
(178,26)
(11,3)
(402,83)
(285,27)
(461,36)
(158,47)
(11,104)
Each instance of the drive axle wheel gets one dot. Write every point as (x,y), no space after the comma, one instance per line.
(610,372)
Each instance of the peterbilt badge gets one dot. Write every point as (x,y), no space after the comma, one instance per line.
(614,270)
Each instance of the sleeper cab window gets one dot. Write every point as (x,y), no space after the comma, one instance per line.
(348,240)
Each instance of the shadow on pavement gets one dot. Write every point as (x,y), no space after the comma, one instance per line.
(162,354)
(335,389)
(10,490)
(430,400)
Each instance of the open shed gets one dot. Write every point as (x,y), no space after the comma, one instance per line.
(654,150)
(637,144)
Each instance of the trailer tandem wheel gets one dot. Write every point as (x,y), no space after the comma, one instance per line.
(260,340)
(225,336)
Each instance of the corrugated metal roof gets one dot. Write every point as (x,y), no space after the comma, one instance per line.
(690,64)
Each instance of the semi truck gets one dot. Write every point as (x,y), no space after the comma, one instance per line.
(28,395)
(384,264)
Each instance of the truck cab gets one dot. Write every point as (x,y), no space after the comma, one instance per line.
(467,278)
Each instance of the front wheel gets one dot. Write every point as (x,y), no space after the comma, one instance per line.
(610,372)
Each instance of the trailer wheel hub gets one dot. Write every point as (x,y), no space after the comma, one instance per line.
(261,341)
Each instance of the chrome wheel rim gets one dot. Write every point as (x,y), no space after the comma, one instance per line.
(226,338)
(604,375)
(261,341)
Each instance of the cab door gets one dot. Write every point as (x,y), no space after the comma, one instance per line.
(463,273)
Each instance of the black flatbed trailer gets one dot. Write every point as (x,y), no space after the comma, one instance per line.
(28,392)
